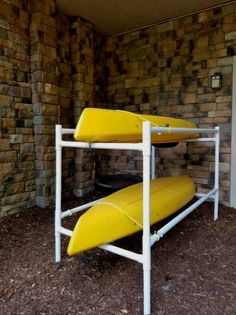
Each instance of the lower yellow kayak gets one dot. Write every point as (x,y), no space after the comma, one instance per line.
(120,214)
(104,125)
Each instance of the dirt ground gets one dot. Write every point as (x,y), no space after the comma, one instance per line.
(193,269)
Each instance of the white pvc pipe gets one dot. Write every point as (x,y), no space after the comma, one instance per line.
(146,218)
(198,140)
(182,130)
(79,208)
(67,131)
(153,162)
(217,167)
(162,231)
(233,141)
(58,194)
(199,195)
(75,144)
(65,231)
(103,145)
(123,252)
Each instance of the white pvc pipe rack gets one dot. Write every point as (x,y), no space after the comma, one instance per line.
(148,153)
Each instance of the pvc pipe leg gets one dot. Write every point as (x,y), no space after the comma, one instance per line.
(216,206)
(57,247)
(147,292)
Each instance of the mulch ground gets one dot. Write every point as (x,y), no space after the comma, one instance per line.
(193,269)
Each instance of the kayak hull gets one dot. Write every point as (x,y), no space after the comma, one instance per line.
(120,214)
(104,125)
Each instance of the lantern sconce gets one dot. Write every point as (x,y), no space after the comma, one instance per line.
(216,80)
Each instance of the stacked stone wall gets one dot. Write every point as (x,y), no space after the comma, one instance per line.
(88,76)
(65,85)
(166,70)
(48,74)
(17,168)
(53,66)
(44,70)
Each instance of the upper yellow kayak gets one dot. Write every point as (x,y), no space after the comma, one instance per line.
(120,214)
(104,125)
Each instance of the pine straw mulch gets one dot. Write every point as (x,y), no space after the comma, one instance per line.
(193,269)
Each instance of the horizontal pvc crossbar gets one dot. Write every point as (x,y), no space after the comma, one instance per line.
(123,252)
(102,145)
(182,130)
(67,131)
(162,231)
(162,129)
(207,139)
(64,231)
(199,195)
(119,146)
(79,208)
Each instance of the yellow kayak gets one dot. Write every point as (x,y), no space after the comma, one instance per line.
(104,125)
(120,214)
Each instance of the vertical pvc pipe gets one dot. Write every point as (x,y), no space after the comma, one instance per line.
(217,168)
(146,219)
(233,141)
(153,162)
(58,193)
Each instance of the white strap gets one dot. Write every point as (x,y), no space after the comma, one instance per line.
(121,210)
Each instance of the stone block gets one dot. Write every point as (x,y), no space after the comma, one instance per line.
(202,41)
(165,27)
(49,109)
(8,122)
(223,99)
(25,92)
(206,98)
(14,189)
(26,148)
(5,89)
(49,98)
(190,98)
(6,174)
(4,145)
(145,107)
(225,61)
(44,129)
(130,83)
(222,113)
(142,83)
(229,28)
(211,63)
(37,76)
(220,53)
(206,107)
(5,100)
(4,24)
(230,36)
(3,33)
(50,88)
(216,37)
(205,16)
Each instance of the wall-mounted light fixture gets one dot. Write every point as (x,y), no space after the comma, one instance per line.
(216,80)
